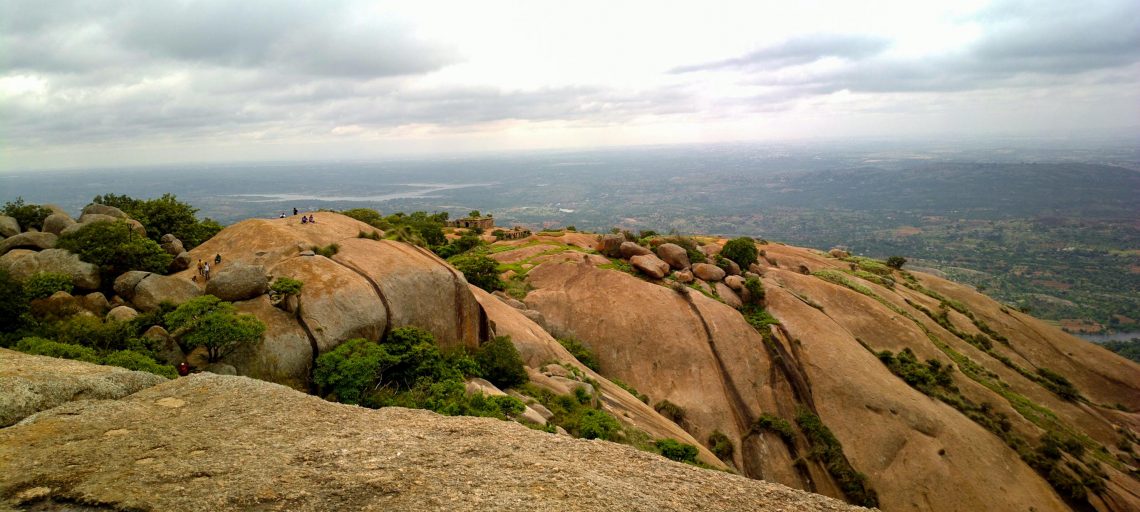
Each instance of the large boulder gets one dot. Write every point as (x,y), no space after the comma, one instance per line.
(629,250)
(674,255)
(60,304)
(683,276)
(57,222)
(23,265)
(610,245)
(29,384)
(29,240)
(147,290)
(180,262)
(238,282)
(102,209)
(708,272)
(9,226)
(96,303)
(92,218)
(171,244)
(122,314)
(650,265)
(734,282)
(170,447)
(733,268)
(728,295)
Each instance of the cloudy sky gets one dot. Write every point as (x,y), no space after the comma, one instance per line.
(91,83)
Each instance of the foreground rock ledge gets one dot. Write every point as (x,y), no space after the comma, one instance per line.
(211,442)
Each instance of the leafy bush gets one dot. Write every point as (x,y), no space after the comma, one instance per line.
(44,284)
(372,235)
(327,251)
(676,450)
(464,243)
(896,262)
(27,215)
(827,450)
(595,424)
(209,322)
(721,445)
(1059,385)
(367,216)
(755,289)
(115,248)
(741,250)
(500,363)
(770,423)
(350,369)
(580,352)
(13,302)
(164,215)
(46,347)
(286,286)
(479,270)
(132,360)
(670,410)
(97,333)
(924,377)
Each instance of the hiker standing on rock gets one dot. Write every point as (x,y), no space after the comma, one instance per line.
(294,211)
(206,271)
(217,259)
(200,268)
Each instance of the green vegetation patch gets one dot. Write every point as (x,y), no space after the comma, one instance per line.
(581,352)
(826,449)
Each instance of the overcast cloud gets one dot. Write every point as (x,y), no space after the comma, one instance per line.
(102,82)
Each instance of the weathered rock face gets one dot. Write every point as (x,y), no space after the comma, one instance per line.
(610,245)
(734,282)
(650,265)
(674,255)
(22,265)
(683,276)
(29,240)
(724,376)
(57,222)
(102,209)
(728,295)
(282,449)
(147,290)
(9,226)
(708,272)
(180,262)
(629,250)
(171,244)
(30,384)
(238,282)
(366,289)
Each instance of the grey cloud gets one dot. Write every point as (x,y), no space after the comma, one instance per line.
(323,38)
(799,50)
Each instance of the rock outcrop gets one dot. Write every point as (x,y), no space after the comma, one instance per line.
(629,250)
(277,448)
(610,245)
(57,222)
(708,272)
(9,226)
(674,255)
(30,384)
(22,265)
(28,240)
(238,282)
(147,290)
(650,265)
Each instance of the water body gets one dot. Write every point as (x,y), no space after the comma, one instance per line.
(425,189)
(1113,336)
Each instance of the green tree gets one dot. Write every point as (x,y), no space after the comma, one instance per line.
(209,322)
(115,248)
(474,214)
(367,216)
(676,450)
(741,250)
(580,352)
(164,215)
(349,370)
(896,262)
(44,284)
(500,363)
(13,302)
(286,286)
(27,215)
(479,269)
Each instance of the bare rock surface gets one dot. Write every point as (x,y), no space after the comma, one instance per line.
(102,209)
(674,255)
(610,245)
(211,442)
(708,272)
(650,265)
(630,249)
(57,222)
(29,384)
(9,226)
(22,265)
(147,290)
(29,240)
(238,282)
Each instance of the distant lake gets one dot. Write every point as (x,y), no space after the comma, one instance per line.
(1116,336)
(424,189)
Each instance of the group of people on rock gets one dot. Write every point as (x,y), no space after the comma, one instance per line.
(304,220)
(204,268)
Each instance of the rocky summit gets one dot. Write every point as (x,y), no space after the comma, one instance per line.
(830,374)
(212,442)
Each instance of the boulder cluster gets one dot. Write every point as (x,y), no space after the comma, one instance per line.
(662,260)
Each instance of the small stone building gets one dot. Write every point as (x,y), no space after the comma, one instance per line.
(485,223)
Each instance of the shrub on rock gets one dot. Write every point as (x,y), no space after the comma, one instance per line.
(115,249)
(741,250)
(500,363)
(208,322)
